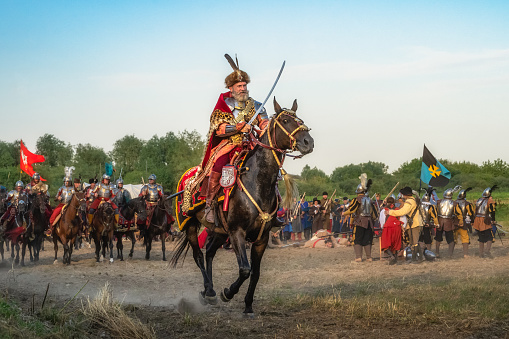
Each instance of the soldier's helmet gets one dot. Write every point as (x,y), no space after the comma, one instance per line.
(36,176)
(120,181)
(152,177)
(106,176)
(19,183)
(449,192)
(463,193)
(487,192)
(67,179)
(425,197)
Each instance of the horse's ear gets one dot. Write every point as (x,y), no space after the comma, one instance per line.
(294,106)
(277,108)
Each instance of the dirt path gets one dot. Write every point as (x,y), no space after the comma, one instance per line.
(284,271)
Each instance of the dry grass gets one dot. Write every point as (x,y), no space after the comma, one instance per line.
(105,314)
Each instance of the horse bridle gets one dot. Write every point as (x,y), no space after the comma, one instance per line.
(275,121)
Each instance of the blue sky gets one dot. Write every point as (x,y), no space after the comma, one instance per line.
(374,80)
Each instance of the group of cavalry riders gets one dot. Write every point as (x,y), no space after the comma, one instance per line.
(95,194)
(419,218)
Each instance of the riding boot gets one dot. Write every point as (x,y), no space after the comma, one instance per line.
(89,218)
(451,249)
(488,250)
(465,250)
(213,188)
(367,250)
(358,252)
(116,218)
(420,250)
(437,249)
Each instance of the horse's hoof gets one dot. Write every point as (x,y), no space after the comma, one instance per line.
(224,297)
(111,260)
(248,315)
(201,297)
(211,300)
(22,264)
(101,259)
(164,259)
(130,255)
(121,259)
(55,262)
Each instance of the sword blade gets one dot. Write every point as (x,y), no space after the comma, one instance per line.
(268,96)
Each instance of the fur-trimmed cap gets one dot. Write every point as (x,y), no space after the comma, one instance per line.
(237,75)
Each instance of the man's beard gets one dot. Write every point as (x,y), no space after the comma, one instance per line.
(241,96)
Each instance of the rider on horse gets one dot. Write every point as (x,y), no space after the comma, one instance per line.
(153,193)
(88,192)
(227,123)
(122,197)
(13,199)
(64,195)
(37,187)
(102,192)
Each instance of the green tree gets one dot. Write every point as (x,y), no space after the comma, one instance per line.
(126,152)
(56,151)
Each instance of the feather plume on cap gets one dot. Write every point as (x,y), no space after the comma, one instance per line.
(456,188)
(237,75)
(68,171)
(494,187)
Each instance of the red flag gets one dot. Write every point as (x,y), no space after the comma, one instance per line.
(27,158)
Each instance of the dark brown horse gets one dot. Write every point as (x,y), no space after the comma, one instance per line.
(38,224)
(102,228)
(136,205)
(244,222)
(160,225)
(68,226)
(16,228)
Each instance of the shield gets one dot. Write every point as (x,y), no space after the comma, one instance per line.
(228,176)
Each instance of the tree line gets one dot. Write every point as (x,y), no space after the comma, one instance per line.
(172,154)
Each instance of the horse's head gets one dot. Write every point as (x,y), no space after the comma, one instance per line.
(137,205)
(38,201)
(80,200)
(289,132)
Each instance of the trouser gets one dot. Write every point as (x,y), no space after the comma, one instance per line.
(307,233)
(413,235)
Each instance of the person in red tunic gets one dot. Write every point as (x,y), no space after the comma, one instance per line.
(391,235)
(227,123)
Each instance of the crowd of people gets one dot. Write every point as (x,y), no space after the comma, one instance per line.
(408,221)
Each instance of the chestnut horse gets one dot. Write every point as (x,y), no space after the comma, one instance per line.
(68,226)
(251,210)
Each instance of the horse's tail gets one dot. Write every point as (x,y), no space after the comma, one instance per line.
(181,248)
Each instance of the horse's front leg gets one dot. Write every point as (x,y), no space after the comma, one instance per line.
(163,245)
(120,247)
(237,239)
(23,252)
(55,246)
(17,252)
(97,242)
(257,250)
(133,241)
(110,243)
(148,246)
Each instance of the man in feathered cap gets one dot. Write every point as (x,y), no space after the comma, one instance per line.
(227,123)
(485,208)
(364,215)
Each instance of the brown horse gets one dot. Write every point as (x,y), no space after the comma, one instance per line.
(102,228)
(250,212)
(68,226)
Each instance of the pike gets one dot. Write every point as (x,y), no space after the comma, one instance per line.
(296,209)
(327,203)
(268,96)
(388,195)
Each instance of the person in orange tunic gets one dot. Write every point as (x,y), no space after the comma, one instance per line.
(484,218)
(391,235)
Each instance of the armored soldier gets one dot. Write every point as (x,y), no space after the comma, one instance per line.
(102,192)
(410,209)
(122,196)
(485,208)
(449,218)
(152,193)
(364,214)
(64,195)
(88,192)
(37,187)
(14,197)
(428,213)
(467,211)
(227,123)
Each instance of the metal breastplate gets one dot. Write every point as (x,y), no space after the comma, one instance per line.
(446,209)
(481,207)
(153,194)
(91,197)
(366,207)
(240,111)
(425,212)
(120,196)
(66,194)
(104,191)
(15,197)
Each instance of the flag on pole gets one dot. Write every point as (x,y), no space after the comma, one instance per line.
(27,158)
(433,172)
(108,167)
